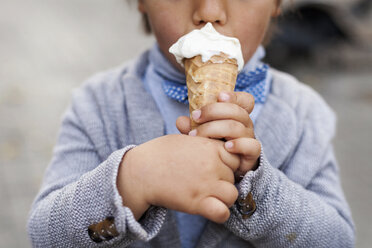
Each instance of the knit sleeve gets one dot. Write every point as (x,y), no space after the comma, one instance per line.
(79,190)
(301,203)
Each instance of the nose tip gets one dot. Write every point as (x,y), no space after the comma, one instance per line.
(212,11)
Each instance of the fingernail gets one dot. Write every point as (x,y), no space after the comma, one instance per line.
(196,114)
(229,145)
(192,132)
(224,97)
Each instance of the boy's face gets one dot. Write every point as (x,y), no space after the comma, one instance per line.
(246,20)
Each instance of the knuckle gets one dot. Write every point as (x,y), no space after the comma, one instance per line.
(223,215)
(249,132)
(209,166)
(235,193)
(250,99)
(257,145)
(243,145)
(231,176)
(235,96)
(194,193)
(205,130)
(199,130)
(249,102)
(234,125)
(194,208)
(233,196)
(218,213)
(237,108)
(231,125)
(250,123)
(242,111)
(210,169)
(240,128)
(206,111)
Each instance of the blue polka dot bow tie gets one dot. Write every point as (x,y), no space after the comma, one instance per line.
(253,82)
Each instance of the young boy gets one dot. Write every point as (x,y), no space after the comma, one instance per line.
(252,174)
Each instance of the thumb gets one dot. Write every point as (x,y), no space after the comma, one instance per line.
(214,210)
(183,124)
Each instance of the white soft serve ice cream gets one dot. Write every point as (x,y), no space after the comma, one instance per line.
(207,42)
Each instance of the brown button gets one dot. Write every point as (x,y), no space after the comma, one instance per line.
(246,206)
(104,230)
(94,235)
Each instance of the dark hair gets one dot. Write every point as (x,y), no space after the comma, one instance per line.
(146,24)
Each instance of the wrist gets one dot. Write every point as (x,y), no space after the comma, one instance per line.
(129,186)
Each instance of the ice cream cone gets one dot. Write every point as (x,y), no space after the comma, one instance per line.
(205,80)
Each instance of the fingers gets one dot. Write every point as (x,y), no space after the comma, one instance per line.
(226,192)
(244,146)
(216,207)
(243,99)
(213,209)
(249,148)
(222,111)
(183,124)
(232,161)
(227,129)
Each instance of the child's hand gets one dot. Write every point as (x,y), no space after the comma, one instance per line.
(189,174)
(228,119)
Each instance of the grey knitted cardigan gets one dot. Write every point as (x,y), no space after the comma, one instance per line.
(296,188)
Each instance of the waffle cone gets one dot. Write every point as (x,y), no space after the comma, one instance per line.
(205,80)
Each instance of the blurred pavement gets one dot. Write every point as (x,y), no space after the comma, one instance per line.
(49,47)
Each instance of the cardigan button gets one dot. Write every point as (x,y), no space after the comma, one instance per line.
(109,228)
(104,230)
(246,205)
(94,236)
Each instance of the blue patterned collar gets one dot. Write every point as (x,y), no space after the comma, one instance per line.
(252,79)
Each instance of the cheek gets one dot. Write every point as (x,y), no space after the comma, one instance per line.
(167,31)
(166,36)
(252,33)
(166,28)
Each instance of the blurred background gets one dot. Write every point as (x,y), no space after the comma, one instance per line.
(48,48)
